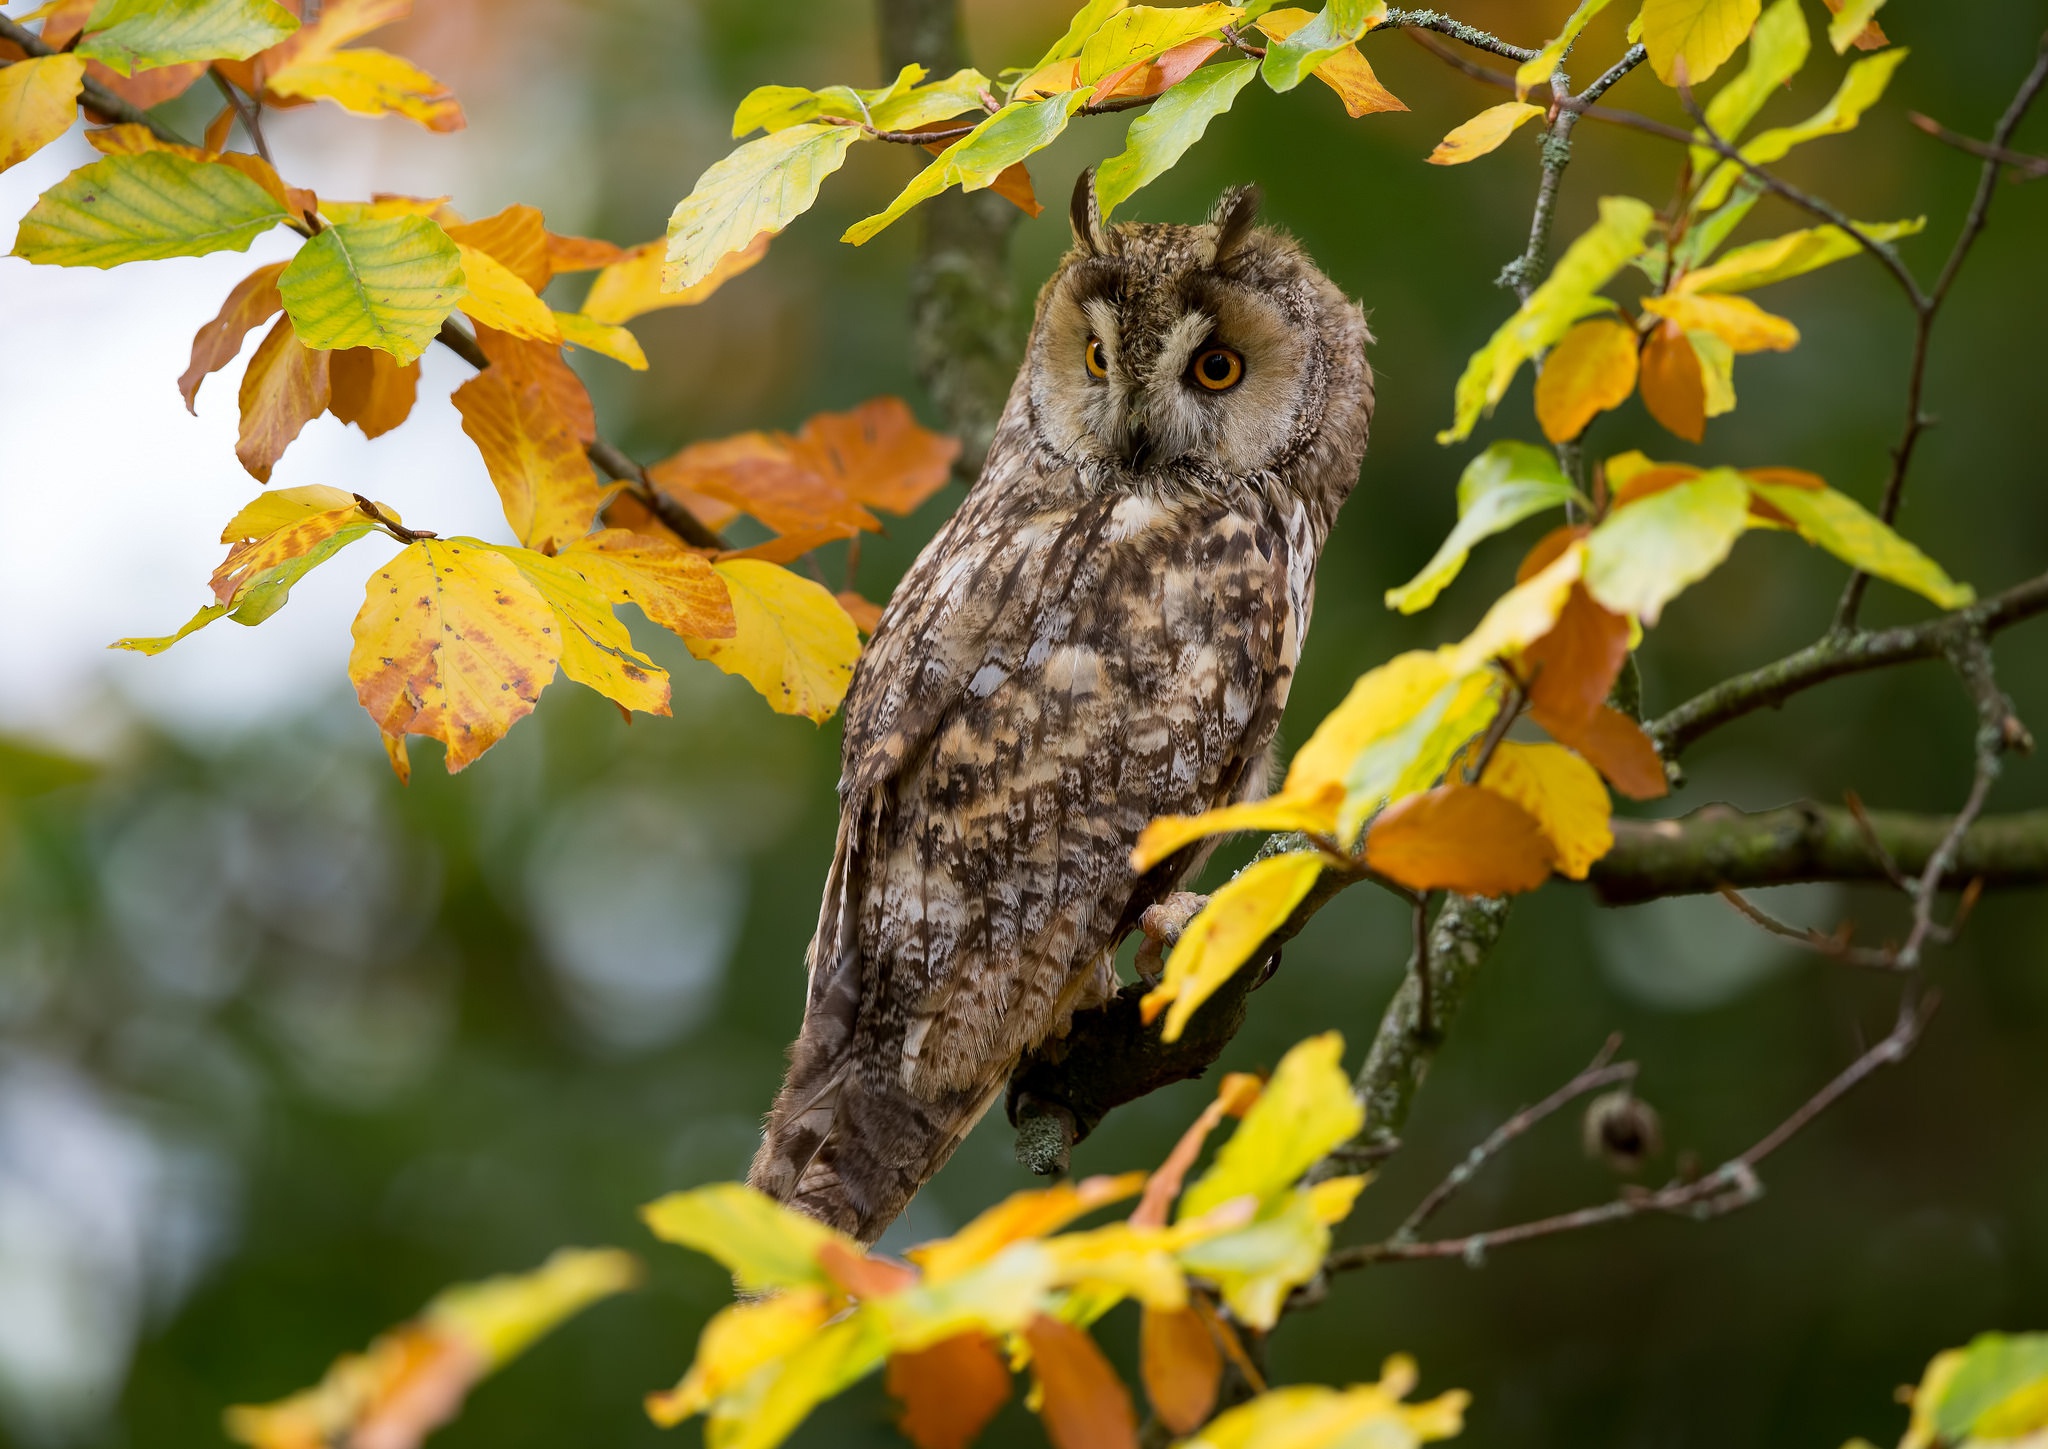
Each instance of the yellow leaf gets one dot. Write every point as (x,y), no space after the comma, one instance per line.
(1258,1265)
(494,296)
(502,1316)
(978,159)
(1135,35)
(792,641)
(602,337)
(1521,616)
(1862,86)
(1482,133)
(1306,1109)
(736,1343)
(1717,371)
(998,1296)
(284,387)
(1310,1416)
(1591,370)
(517,237)
(1737,321)
(597,650)
(144,207)
(767,1408)
(1855,24)
(1760,263)
(1023,1215)
(452,642)
(38,99)
(761,187)
(545,481)
(1229,929)
(1564,796)
(388,283)
(1778,47)
(1502,486)
(1566,296)
(1646,553)
(1538,69)
(369,82)
(760,1242)
(1379,704)
(1169,833)
(384,208)
(631,286)
(128,36)
(153,645)
(673,587)
(1842,526)
(1699,34)
(276,540)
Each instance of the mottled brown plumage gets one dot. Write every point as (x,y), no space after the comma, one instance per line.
(1105,632)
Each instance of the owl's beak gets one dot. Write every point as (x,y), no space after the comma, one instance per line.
(1138,444)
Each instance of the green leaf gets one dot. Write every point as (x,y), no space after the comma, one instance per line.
(387,284)
(1306,1109)
(264,595)
(1136,35)
(776,108)
(1704,237)
(1565,297)
(1160,137)
(1796,252)
(158,643)
(941,100)
(762,186)
(143,207)
(759,1241)
(1255,1267)
(1845,528)
(1498,489)
(1777,49)
(1087,20)
(1645,553)
(1849,22)
(131,35)
(1011,134)
(1995,1368)
(1337,25)
(1537,70)
(1861,88)
(767,1408)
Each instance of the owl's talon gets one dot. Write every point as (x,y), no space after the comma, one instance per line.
(1162,924)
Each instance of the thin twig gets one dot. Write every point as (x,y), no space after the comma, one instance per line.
(391,525)
(1510,711)
(250,113)
(1884,857)
(1597,1074)
(96,96)
(2028,167)
(1733,1185)
(1833,945)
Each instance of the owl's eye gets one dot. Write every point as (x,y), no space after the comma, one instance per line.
(1217,368)
(1097,363)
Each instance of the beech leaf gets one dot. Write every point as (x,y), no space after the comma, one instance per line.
(284,387)
(1700,34)
(1502,486)
(791,640)
(1483,133)
(1845,528)
(1591,370)
(387,283)
(137,208)
(1221,939)
(544,480)
(1644,554)
(128,36)
(1564,796)
(38,101)
(370,82)
(1459,838)
(979,158)
(631,285)
(1163,134)
(760,187)
(253,302)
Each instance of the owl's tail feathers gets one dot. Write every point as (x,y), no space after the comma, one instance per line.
(851,1150)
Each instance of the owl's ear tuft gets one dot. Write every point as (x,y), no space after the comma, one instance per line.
(1086,213)
(1232,216)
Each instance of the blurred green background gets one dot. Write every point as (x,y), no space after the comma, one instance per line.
(284,1047)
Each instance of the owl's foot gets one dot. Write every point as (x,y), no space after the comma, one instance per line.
(1162,925)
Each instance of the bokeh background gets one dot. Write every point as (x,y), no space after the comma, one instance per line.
(284,1047)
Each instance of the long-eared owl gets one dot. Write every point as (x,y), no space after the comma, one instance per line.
(1104,632)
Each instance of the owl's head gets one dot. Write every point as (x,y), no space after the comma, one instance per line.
(1199,355)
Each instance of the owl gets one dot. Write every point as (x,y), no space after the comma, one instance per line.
(1104,632)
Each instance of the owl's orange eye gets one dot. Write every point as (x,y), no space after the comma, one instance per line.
(1217,368)
(1097,363)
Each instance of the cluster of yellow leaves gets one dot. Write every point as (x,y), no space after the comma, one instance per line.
(1992,1391)
(1112,52)
(414,1378)
(1013,1290)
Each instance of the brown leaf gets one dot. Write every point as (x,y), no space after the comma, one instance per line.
(949,1391)
(1085,1405)
(859,1276)
(369,387)
(253,302)
(526,360)
(761,475)
(1181,1365)
(1459,838)
(147,89)
(1548,549)
(1673,387)
(545,482)
(1616,746)
(580,253)
(878,454)
(515,238)
(285,388)
(1572,669)
(1160,73)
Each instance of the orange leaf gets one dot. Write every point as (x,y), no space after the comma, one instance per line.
(1233,1099)
(1085,1405)
(368,387)
(1575,665)
(949,1391)
(256,547)
(1548,549)
(215,138)
(1459,838)
(878,454)
(673,587)
(1591,370)
(759,474)
(1160,73)
(1653,479)
(859,1276)
(1674,388)
(1181,1365)
(1347,72)
(147,89)
(865,613)
(787,548)
(630,283)
(545,482)
(516,238)
(1616,746)
(285,388)
(528,360)
(253,302)
(580,253)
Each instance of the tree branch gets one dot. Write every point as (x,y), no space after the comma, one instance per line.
(1838,654)
(2029,168)
(95,95)
(1458,30)
(1720,846)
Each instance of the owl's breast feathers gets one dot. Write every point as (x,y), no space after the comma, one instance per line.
(1044,683)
